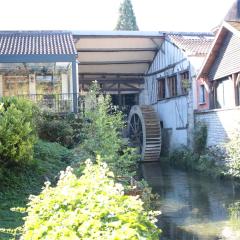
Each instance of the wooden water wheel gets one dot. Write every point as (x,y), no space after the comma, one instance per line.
(144,132)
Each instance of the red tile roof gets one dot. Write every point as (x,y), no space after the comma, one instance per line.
(36,42)
(192,45)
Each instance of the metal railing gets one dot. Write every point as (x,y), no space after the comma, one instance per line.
(59,103)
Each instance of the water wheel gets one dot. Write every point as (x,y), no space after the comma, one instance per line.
(144,132)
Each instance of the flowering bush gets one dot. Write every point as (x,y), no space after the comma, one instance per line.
(90,207)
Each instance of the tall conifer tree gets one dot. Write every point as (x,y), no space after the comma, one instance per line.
(127,19)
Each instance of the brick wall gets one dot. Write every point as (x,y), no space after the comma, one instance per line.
(221,123)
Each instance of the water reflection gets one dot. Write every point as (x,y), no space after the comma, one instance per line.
(193,207)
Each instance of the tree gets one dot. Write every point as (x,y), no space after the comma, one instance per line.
(127,19)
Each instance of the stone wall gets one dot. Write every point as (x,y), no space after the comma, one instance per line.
(221,123)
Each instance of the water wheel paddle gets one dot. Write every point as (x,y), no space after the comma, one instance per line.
(144,132)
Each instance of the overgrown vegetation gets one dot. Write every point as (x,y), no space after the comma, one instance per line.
(65,129)
(234,212)
(116,213)
(102,135)
(18,182)
(90,207)
(220,160)
(17,131)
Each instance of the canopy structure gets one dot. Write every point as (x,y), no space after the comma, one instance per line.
(116,59)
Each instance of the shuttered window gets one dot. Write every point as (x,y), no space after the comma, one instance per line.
(172,86)
(161,89)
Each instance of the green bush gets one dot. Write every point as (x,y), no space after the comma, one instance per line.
(200,137)
(234,213)
(183,158)
(18,182)
(233,155)
(102,135)
(90,207)
(65,130)
(17,130)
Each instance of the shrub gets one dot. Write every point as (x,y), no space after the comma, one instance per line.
(184,158)
(200,137)
(17,130)
(90,207)
(65,130)
(234,213)
(102,135)
(233,153)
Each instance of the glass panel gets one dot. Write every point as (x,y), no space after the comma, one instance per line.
(42,82)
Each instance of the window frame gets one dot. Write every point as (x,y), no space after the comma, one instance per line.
(161,88)
(202,94)
(184,91)
(172,88)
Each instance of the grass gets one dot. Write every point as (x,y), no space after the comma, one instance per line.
(19,182)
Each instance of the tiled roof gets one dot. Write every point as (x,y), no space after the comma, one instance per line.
(36,42)
(235,24)
(234,12)
(192,45)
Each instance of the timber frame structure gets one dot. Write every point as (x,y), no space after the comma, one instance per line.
(117,60)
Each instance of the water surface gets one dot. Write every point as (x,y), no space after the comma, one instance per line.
(193,207)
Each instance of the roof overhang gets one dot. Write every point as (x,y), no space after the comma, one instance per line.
(116,53)
(211,56)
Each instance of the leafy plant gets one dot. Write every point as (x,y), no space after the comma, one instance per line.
(234,212)
(17,130)
(102,135)
(90,207)
(233,153)
(65,130)
(200,137)
(19,182)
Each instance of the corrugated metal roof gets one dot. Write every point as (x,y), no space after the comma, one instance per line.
(36,43)
(192,44)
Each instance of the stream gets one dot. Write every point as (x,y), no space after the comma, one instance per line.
(193,207)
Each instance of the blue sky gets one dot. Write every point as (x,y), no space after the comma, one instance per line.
(152,15)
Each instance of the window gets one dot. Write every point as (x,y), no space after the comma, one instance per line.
(172,86)
(202,98)
(185,84)
(237,89)
(161,88)
(224,93)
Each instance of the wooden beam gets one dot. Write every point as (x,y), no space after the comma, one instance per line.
(115,62)
(112,80)
(123,90)
(100,50)
(112,74)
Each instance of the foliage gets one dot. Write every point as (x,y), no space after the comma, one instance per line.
(65,212)
(234,212)
(65,129)
(19,182)
(102,135)
(17,130)
(200,137)
(47,154)
(233,153)
(206,163)
(184,158)
(127,19)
